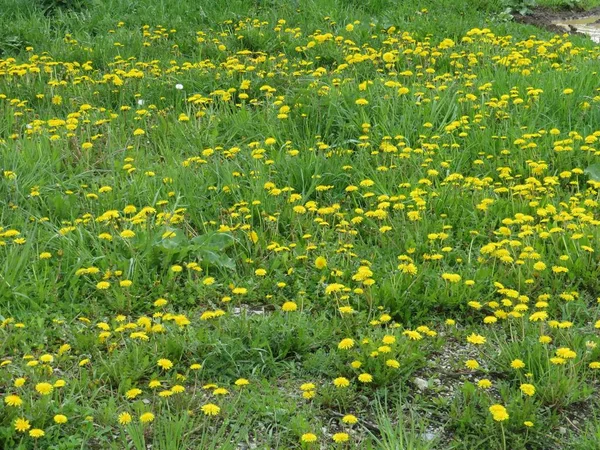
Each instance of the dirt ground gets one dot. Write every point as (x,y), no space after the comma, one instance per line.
(546,18)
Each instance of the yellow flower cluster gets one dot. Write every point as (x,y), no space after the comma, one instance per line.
(348,201)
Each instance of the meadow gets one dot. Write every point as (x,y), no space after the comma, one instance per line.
(307,224)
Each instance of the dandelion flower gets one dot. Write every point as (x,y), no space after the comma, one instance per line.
(392,363)
(289,307)
(484,383)
(308,394)
(125,418)
(320,263)
(160,302)
(517,364)
(46,358)
(341,382)
(346,344)
(22,425)
(147,417)
(499,412)
(210,409)
(165,364)
(153,384)
(133,393)
(350,419)
(36,433)
(528,389)
(388,339)
(309,437)
(60,418)
(565,352)
(365,378)
(476,339)
(451,277)
(44,388)
(340,437)
(472,364)
(413,335)
(220,391)
(13,400)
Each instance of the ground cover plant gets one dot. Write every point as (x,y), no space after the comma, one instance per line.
(328,224)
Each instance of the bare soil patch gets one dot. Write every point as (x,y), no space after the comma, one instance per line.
(567,21)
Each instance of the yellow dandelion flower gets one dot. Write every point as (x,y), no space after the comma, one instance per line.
(60,418)
(346,344)
(22,425)
(499,412)
(341,382)
(36,433)
(340,437)
(164,364)
(517,364)
(147,417)
(365,378)
(350,419)
(308,437)
(125,418)
(476,339)
(289,306)
(528,389)
(13,400)
(133,393)
(44,388)
(320,262)
(210,409)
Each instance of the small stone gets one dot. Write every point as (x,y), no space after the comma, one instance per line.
(429,436)
(420,383)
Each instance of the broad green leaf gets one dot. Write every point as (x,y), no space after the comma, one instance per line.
(593,172)
(216,259)
(215,241)
(178,241)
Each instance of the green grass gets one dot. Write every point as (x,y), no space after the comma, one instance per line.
(263,221)
(569,4)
